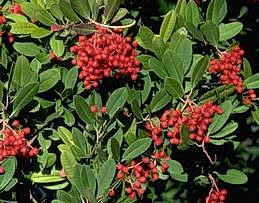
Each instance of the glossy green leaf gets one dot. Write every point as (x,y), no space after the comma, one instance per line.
(24,96)
(211,32)
(220,120)
(49,79)
(83,110)
(174,65)
(136,148)
(110,9)
(167,26)
(252,82)
(199,70)
(146,36)
(115,148)
(81,7)
(160,100)
(233,176)
(176,171)
(131,134)
(230,30)
(68,12)
(192,13)
(68,162)
(228,129)
(255,115)
(158,67)
(105,176)
(37,12)
(116,101)
(26,48)
(9,165)
(217,11)
(57,46)
(173,87)
(120,14)
(247,68)
(44,178)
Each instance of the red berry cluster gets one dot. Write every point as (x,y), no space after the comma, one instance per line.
(95,109)
(140,171)
(104,54)
(16,9)
(2,18)
(14,143)
(217,196)
(199,120)
(53,56)
(249,97)
(228,67)
(196,118)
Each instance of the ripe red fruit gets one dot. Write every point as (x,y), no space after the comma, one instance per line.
(111,192)
(104,109)
(2,170)
(26,131)
(16,123)
(94,109)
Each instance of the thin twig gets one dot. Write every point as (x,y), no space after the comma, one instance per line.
(207,154)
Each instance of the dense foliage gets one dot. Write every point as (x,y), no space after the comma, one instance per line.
(98,107)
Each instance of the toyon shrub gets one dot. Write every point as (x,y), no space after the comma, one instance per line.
(120,105)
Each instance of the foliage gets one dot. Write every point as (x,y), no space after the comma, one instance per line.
(131,135)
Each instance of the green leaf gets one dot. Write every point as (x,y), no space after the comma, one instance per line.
(146,36)
(16,17)
(176,171)
(211,32)
(158,46)
(26,48)
(94,9)
(173,87)
(20,70)
(252,82)
(130,135)
(174,65)
(110,9)
(116,101)
(9,165)
(81,7)
(158,67)
(4,57)
(183,49)
(83,29)
(65,135)
(115,148)
(233,176)
(195,32)
(22,27)
(79,139)
(230,30)
(217,11)
(228,129)
(181,7)
(40,33)
(49,79)
(57,46)
(247,68)
(105,176)
(167,26)
(83,110)
(185,138)
(199,70)
(67,11)
(192,13)
(220,120)
(137,148)
(68,162)
(120,14)
(160,100)
(147,88)
(44,178)
(84,179)
(70,78)
(37,12)
(24,96)
(255,115)
(136,109)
